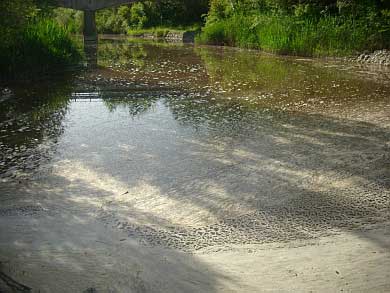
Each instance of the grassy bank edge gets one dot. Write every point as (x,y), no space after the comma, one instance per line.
(286,35)
(37,49)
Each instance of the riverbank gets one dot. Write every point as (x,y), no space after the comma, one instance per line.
(37,49)
(380,57)
(288,36)
(33,43)
(311,30)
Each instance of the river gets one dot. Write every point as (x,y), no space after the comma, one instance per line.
(185,149)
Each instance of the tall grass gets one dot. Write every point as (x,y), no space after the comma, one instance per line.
(39,47)
(284,34)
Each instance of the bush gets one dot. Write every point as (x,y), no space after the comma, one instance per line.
(237,30)
(137,15)
(219,10)
(108,21)
(39,47)
(69,18)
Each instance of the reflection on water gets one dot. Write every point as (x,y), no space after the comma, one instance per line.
(184,89)
(31,123)
(91,51)
(136,105)
(119,53)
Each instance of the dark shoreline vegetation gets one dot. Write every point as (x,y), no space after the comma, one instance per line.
(42,46)
(293,27)
(33,42)
(37,37)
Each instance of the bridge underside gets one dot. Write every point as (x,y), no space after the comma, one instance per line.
(89,7)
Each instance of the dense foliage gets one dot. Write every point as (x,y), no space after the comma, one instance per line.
(140,15)
(35,37)
(302,27)
(32,42)
(145,14)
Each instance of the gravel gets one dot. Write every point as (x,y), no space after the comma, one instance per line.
(381,57)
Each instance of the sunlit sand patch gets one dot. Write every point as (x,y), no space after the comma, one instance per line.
(126,147)
(142,198)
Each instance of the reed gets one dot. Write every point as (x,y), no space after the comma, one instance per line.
(285,34)
(41,46)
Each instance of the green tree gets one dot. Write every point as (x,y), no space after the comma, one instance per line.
(138,15)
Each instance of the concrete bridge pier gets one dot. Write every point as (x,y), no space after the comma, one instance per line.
(90,7)
(90,31)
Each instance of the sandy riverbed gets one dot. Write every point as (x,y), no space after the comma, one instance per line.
(178,172)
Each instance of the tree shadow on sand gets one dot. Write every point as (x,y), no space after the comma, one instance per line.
(53,241)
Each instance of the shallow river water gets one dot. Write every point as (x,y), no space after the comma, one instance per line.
(191,147)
